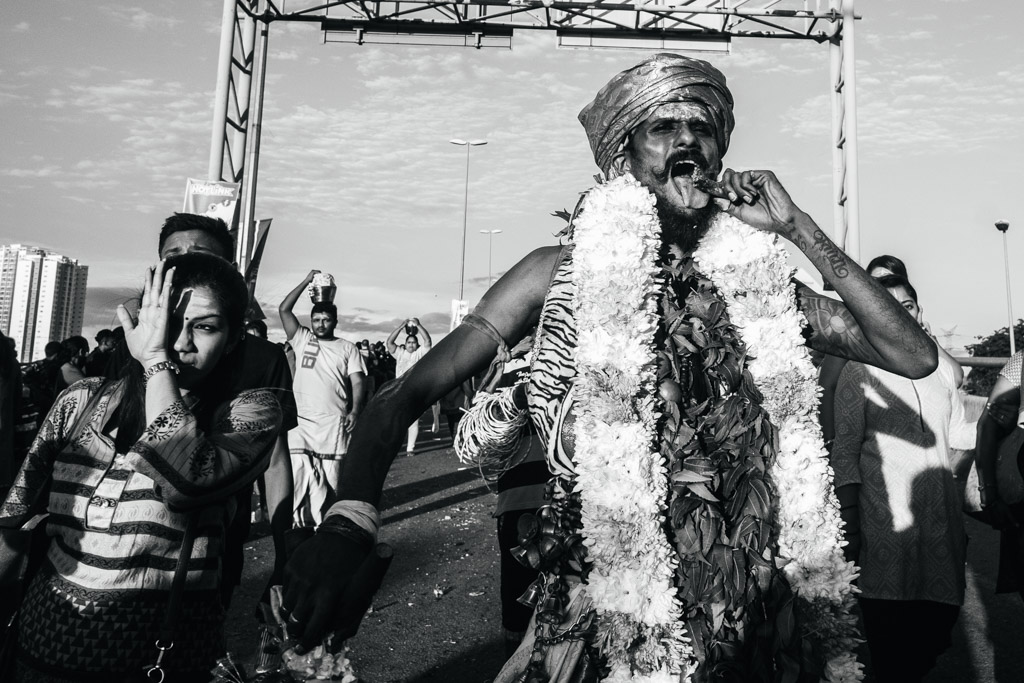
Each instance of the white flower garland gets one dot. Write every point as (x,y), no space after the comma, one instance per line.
(621,476)
(750,270)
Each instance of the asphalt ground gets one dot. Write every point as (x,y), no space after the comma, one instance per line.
(437,516)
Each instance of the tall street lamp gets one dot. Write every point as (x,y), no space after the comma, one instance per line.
(1003,226)
(465,209)
(490,240)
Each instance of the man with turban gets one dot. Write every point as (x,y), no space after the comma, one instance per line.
(719,537)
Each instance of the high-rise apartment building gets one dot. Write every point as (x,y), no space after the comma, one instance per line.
(42,297)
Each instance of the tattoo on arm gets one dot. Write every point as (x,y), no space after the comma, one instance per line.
(832,253)
(835,256)
(833,328)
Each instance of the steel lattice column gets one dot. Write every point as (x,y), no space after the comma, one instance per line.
(845,182)
(234,149)
(231,107)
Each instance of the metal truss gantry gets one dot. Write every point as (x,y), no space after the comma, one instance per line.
(666,24)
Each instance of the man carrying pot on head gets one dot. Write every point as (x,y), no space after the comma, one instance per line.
(329,394)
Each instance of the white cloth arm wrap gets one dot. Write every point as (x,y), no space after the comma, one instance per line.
(360,512)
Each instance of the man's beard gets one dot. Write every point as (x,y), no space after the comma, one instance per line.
(684,232)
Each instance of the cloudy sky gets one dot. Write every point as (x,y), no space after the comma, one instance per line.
(106,110)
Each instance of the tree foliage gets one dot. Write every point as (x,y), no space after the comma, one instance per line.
(980,380)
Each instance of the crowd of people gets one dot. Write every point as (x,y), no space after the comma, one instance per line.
(668,488)
(28,391)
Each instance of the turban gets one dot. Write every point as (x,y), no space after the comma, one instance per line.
(632,96)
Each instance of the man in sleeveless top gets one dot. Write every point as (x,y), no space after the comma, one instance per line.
(661,121)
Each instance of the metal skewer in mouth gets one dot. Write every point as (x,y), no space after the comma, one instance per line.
(700,181)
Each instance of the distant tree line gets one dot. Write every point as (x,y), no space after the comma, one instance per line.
(980,380)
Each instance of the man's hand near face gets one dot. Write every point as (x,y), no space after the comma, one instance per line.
(758,199)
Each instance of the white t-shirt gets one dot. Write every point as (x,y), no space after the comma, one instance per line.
(406,359)
(323,392)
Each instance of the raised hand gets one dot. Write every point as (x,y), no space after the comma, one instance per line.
(147,337)
(758,199)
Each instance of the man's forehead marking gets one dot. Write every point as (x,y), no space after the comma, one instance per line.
(681,110)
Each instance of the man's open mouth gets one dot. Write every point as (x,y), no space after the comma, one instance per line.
(691,171)
(687,169)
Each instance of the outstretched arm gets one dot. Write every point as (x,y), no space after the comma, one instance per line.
(288,319)
(869,325)
(319,571)
(512,306)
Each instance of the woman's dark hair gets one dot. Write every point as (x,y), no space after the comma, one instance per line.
(228,290)
(896,282)
(890,263)
(72,347)
(196,269)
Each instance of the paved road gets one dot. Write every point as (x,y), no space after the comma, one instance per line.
(437,516)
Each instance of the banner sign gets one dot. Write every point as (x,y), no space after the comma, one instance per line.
(216,198)
(460,308)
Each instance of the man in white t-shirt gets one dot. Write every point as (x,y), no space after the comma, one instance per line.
(329,395)
(405,357)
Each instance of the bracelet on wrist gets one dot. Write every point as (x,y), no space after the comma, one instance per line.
(157,368)
(343,526)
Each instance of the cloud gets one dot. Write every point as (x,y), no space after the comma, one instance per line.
(163,128)
(140,19)
(924,107)
(355,163)
(20,27)
(44,172)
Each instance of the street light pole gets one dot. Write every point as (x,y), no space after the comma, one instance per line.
(465,209)
(1003,227)
(490,239)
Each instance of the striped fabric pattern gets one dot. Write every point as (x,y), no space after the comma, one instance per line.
(552,370)
(117,520)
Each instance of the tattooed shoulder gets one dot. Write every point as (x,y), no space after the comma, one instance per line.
(833,329)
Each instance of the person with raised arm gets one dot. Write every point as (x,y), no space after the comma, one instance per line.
(329,394)
(691,501)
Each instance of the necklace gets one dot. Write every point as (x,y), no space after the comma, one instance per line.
(737,508)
